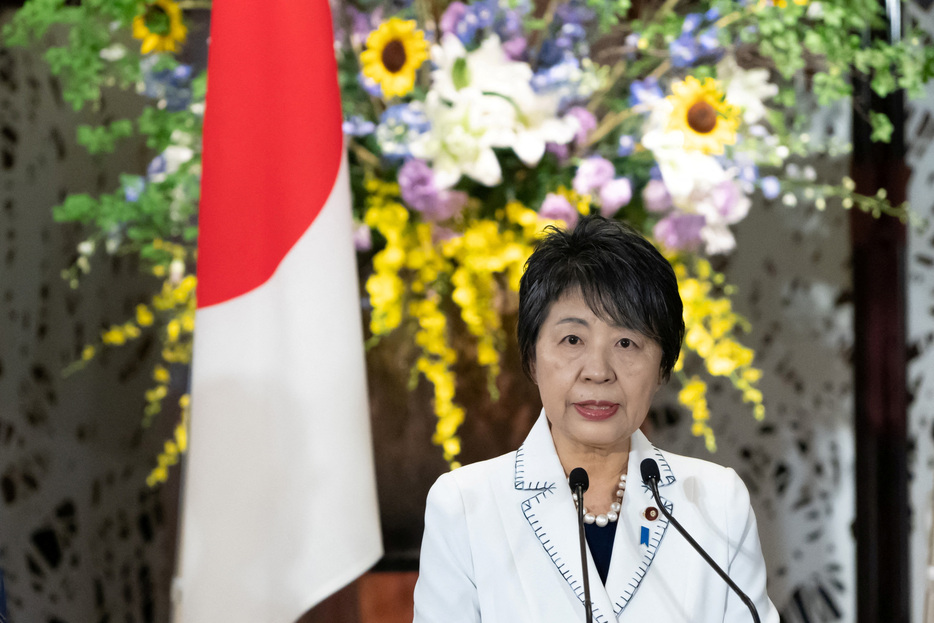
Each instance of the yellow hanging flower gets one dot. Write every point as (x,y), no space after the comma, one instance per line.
(160,27)
(702,115)
(394,51)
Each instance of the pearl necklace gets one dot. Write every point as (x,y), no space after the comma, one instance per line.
(613,514)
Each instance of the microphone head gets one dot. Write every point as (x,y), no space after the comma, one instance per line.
(649,469)
(579,478)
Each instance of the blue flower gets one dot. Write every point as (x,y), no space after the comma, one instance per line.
(645,91)
(684,51)
(712,15)
(133,186)
(627,144)
(709,40)
(691,23)
(358,126)
(398,127)
(371,87)
(771,187)
(171,86)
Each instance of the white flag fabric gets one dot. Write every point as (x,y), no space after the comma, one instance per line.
(279,498)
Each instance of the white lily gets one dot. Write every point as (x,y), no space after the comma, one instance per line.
(463,135)
(746,88)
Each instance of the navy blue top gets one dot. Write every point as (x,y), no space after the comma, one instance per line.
(600,540)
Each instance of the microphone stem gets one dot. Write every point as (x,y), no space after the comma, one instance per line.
(653,484)
(588,608)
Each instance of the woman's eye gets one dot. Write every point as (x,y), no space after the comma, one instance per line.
(625,342)
(573,340)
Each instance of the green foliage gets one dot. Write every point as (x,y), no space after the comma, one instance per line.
(103,139)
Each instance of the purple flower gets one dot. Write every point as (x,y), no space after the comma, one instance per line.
(558,208)
(729,201)
(419,191)
(363,22)
(574,13)
(593,173)
(645,91)
(655,196)
(627,145)
(561,152)
(515,48)
(771,187)
(361,237)
(679,231)
(451,16)
(586,123)
(614,195)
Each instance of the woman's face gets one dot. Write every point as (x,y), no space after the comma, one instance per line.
(596,380)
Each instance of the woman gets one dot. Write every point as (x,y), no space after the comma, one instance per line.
(600,328)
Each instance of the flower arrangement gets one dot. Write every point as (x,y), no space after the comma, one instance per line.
(670,117)
(473,127)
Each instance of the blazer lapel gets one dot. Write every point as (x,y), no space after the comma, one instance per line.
(640,531)
(547,505)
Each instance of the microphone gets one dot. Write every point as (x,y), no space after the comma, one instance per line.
(579,482)
(651,476)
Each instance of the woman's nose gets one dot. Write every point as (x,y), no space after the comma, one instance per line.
(597,367)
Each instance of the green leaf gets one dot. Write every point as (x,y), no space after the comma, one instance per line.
(881,127)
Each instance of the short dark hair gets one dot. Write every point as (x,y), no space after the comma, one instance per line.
(621,275)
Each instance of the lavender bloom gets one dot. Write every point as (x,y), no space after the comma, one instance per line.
(679,231)
(418,189)
(645,91)
(771,187)
(614,195)
(362,240)
(363,22)
(561,152)
(655,196)
(729,201)
(712,15)
(586,123)
(574,13)
(515,48)
(558,208)
(627,145)
(358,126)
(592,173)
(452,16)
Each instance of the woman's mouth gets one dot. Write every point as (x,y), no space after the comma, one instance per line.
(596,410)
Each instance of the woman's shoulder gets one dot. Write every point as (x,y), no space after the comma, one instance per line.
(480,475)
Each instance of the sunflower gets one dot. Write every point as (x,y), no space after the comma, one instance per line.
(393,52)
(702,115)
(160,27)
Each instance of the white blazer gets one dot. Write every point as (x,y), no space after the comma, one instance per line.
(501,544)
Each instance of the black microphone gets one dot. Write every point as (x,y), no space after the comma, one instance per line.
(579,482)
(651,476)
